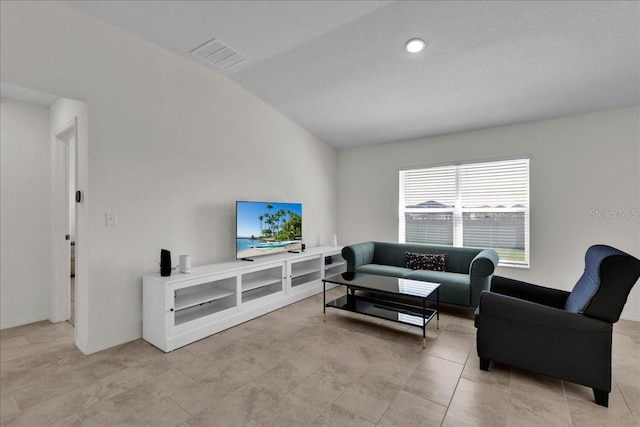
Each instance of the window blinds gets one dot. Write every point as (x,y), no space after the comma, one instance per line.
(433,187)
(475,205)
(495,184)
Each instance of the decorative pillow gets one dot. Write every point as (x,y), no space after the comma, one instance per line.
(416,261)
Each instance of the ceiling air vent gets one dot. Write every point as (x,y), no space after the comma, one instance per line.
(219,54)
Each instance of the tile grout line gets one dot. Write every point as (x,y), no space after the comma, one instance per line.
(455,388)
(566,401)
(625,401)
(81,420)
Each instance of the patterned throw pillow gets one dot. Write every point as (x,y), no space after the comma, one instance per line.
(416,261)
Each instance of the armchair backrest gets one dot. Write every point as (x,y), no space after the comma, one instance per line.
(602,291)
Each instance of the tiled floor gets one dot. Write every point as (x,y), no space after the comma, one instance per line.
(288,368)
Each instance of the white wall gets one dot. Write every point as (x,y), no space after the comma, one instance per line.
(581,167)
(171,146)
(25,206)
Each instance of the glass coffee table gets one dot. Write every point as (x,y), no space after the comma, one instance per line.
(385,297)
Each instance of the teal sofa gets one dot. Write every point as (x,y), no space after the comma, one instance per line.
(468,271)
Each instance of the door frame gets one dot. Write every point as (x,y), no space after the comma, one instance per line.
(60,158)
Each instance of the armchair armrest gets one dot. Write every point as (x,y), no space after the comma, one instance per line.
(357,255)
(527,291)
(536,315)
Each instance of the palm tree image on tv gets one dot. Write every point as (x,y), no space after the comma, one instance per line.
(282,225)
(267,227)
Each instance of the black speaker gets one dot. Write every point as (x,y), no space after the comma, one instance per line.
(165,262)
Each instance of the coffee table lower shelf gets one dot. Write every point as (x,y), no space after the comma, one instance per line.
(383,309)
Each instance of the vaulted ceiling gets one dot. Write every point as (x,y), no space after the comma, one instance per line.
(340,70)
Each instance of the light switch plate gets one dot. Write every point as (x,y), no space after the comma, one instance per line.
(110,219)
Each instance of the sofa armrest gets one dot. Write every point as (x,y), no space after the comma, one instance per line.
(480,271)
(527,291)
(484,264)
(357,255)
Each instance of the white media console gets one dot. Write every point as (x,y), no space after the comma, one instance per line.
(183,308)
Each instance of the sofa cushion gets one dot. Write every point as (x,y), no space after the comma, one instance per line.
(440,277)
(454,287)
(384,270)
(389,254)
(418,261)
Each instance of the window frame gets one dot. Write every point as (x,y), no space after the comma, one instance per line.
(458,211)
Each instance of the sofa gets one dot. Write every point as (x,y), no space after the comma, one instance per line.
(466,271)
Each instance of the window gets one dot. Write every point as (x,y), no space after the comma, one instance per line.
(484,205)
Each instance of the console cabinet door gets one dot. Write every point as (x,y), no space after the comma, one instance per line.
(261,282)
(198,301)
(304,271)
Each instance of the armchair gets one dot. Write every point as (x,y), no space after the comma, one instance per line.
(554,332)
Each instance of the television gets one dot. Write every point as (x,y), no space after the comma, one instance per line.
(265,228)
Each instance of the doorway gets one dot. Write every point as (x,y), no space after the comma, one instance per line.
(64,187)
(71,185)
(64,165)
(69,143)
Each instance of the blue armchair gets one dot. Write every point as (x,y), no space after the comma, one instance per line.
(557,333)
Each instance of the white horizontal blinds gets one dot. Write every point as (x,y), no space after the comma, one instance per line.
(428,228)
(429,188)
(502,184)
(427,198)
(476,205)
(495,201)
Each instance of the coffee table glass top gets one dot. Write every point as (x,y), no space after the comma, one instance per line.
(392,285)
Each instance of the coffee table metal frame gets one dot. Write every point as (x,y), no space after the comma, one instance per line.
(376,305)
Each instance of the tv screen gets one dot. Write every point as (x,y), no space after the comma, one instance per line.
(264,228)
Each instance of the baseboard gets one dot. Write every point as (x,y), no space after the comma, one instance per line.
(12,323)
(82,346)
(96,347)
(635,317)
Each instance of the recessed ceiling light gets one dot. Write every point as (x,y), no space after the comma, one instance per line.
(415,45)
